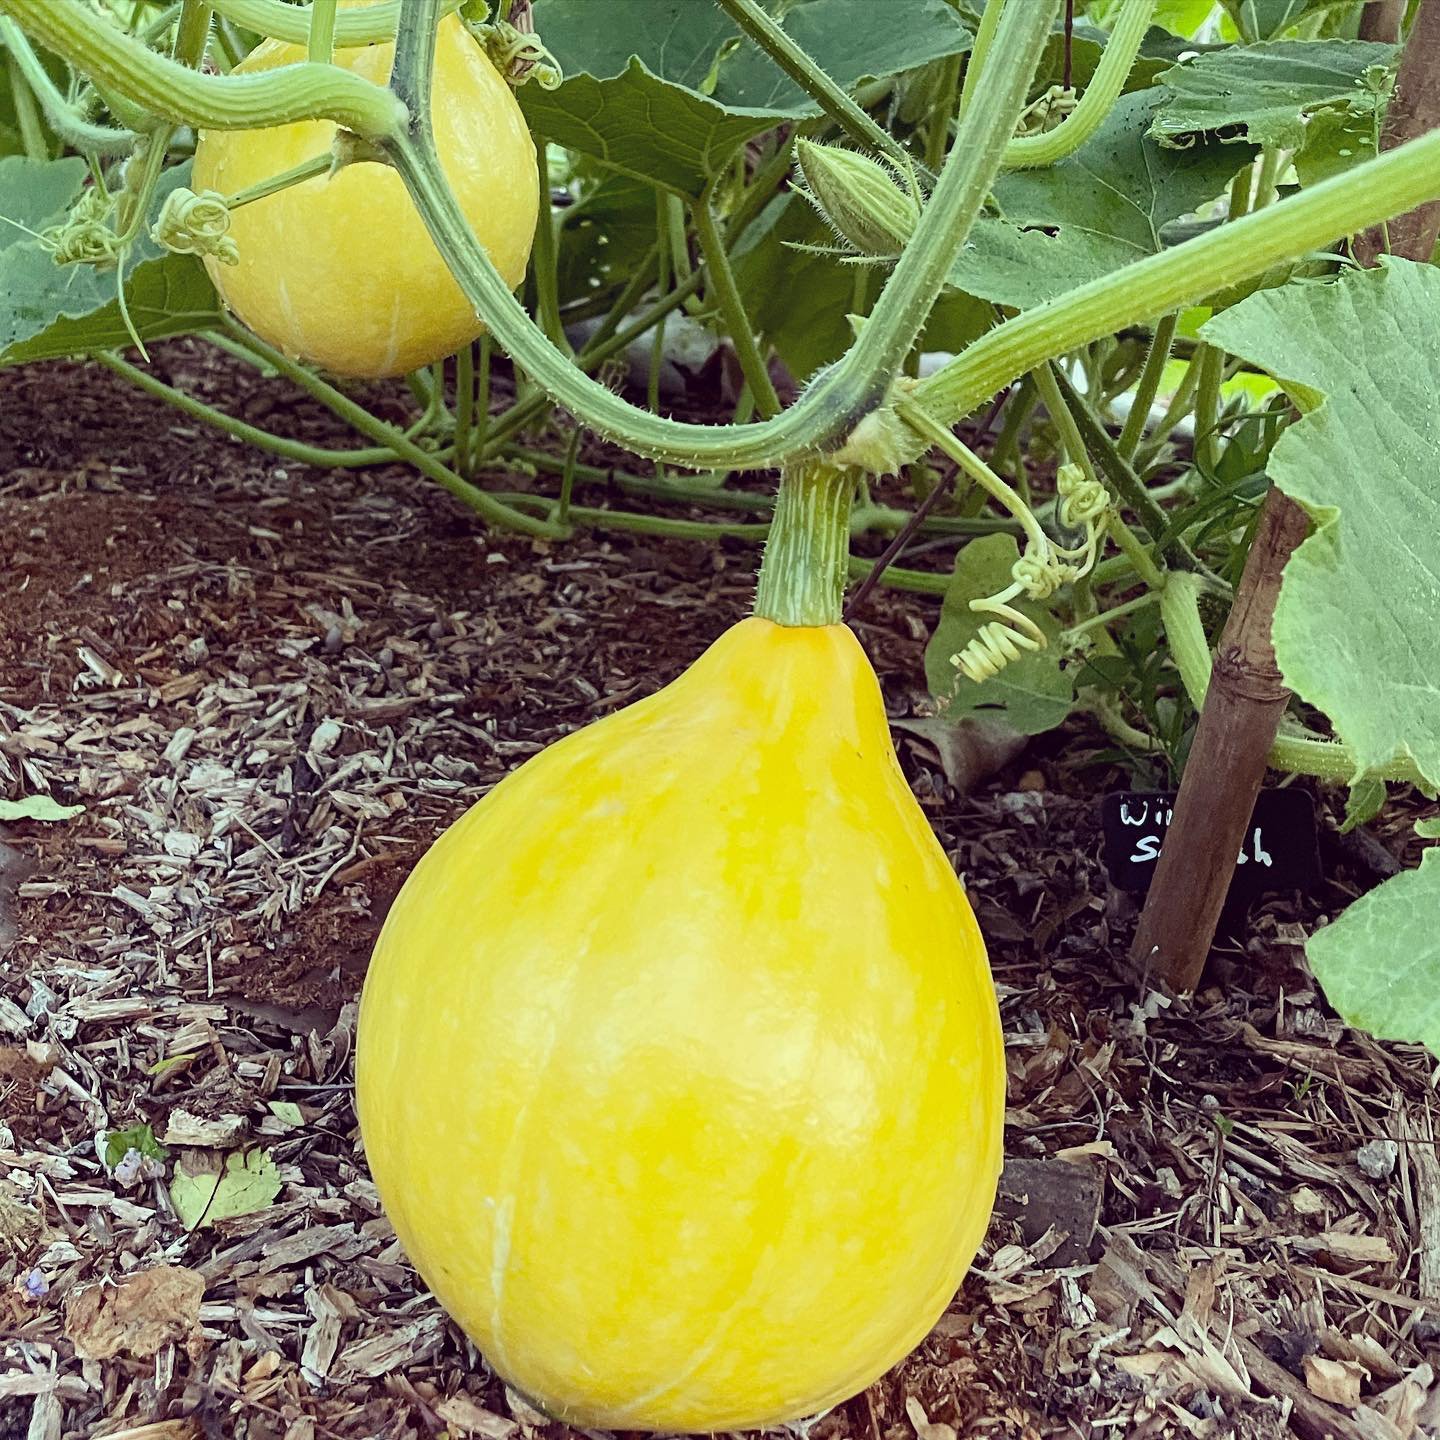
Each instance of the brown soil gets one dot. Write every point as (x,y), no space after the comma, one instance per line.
(271,687)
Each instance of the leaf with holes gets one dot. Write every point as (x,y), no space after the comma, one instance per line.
(1357,627)
(1264,94)
(1092,212)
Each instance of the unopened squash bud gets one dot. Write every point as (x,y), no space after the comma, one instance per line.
(859,197)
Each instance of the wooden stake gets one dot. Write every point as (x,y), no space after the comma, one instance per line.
(1237,727)
(1247,696)
(1381,20)
(1414,111)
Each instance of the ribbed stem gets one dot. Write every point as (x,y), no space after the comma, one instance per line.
(182,96)
(836,398)
(807,555)
(1393,183)
(1099,98)
(370,25)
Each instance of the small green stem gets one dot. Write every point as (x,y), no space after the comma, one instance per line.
(1209,365)
(567,478)
(1181,403)
(930,429)
(806,562)
(1116,612)
(754,22)
(464,408)
(674,234)
(250,434)
(942,112)
(22,98)
(181,96)
(1099,98)
(486,506)
(916,582)
(732,309)
(1135,552)
(320,43)
(481,439)
(543,265)
(980,52)
(1148,386)
(296,175)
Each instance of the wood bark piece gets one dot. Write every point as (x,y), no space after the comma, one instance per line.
(1237,727)
(1414,111)
(1065,1194)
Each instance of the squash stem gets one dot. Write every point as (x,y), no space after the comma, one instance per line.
(807,554)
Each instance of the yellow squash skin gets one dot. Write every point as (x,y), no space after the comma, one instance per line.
(340,271)
(679,1065)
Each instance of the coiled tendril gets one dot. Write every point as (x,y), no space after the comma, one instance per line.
(196,224)
(1038,573)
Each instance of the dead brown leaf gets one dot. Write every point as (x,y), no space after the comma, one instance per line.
(135,1315)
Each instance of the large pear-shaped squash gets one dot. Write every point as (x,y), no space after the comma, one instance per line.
(680,1071)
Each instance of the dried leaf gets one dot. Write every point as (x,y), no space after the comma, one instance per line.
(136,1314)
(926,1428)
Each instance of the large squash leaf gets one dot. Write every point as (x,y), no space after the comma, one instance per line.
(1357,627)
(1380,961)
(666,90)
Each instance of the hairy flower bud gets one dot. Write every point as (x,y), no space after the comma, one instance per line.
(861,198)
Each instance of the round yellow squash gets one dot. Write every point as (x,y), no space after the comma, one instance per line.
(679,1066)
(340,271)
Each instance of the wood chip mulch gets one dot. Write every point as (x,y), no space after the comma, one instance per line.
(271,687)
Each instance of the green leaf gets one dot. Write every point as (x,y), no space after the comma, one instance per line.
(1183,17)
(665,90)
(1428,829)
(1365,801)
(209,1192)
(1092,212)
(1379,963)
(1357,626)
(1263,93)
(771,273)
(141,1138)
(605,237)
(1270,19)
(287,1111)
(38,807)
(1034,693)
(47,310)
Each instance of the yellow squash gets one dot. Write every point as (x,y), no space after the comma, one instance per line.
(680,1071)
(340,271)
